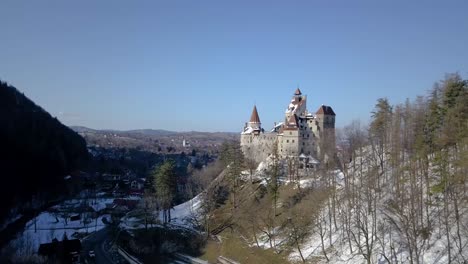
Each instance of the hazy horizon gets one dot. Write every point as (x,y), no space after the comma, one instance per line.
(202,66)
(153,129)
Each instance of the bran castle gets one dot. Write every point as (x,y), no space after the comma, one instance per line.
(301,135)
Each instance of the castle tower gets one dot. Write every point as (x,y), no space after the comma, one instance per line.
(254,122)
(325,117)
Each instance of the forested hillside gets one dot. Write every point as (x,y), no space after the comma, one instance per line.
(395,193)
(37,151)
(403,199)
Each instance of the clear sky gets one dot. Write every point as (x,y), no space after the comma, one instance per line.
(202,65)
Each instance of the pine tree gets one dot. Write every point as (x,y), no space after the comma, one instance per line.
(165,184)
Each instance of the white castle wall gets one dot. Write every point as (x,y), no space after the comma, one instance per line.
(289,144)
(258,147)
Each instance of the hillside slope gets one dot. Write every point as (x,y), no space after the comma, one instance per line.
(401,195)
(37,151)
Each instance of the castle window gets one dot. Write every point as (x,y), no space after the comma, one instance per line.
(290,133)
(287,141)
(293,141)
(307,135)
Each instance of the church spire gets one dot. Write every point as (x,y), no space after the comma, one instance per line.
(254,118)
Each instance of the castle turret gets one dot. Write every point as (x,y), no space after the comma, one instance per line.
(254,122)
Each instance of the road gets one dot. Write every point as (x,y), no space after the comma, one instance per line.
(97,242)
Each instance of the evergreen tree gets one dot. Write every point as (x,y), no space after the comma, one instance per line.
(232,158)
(165,184)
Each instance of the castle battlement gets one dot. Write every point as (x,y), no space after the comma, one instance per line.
(300,134)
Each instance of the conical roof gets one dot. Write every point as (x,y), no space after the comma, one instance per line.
(298,92)
(254,118)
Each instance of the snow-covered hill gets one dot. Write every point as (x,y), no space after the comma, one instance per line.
(370,224)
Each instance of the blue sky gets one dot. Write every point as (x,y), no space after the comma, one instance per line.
(202,65)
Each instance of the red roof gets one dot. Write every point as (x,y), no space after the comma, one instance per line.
(254,118)
(325,110)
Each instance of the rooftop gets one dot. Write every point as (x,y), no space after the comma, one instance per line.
(254,118)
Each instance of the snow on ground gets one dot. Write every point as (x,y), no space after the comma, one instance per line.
(45,227)
(306,183)
(131,222)
(262,166)
(180,215)
(51,224)
(391,237)
(338,250)
(313,248)
(101,204)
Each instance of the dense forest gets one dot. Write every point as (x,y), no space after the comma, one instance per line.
(37,152)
